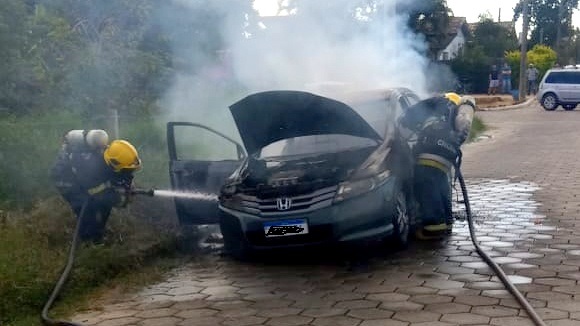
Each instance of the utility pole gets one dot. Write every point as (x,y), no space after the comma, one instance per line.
(524,51)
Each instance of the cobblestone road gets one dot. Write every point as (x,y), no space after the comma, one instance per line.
(524,184)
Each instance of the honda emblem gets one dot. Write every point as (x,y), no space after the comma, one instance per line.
(283,204)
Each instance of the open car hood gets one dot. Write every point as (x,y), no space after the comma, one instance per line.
(267,117)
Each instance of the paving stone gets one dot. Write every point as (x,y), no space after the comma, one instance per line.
(549,296)
(459,292)
(431,298)
(341,296)
(417,316)
(117,314)
(563,322)
(401,306)
(566,305)
(120,321)
(476,300)
(499,294)
(387,297)
(156,313)
(512,303)
(549,314)
(222,305)
(336,321)
(234,313)
(431,323)
(278,312)
(163,321)
(357,304)
(465,319)
(324,312)
(247,320)
(511,321)
(553,281)
(288,321)
(417,290)
(575,290)
(447,308)
(383,322)
(196,313)
(371,313)
(470,277)
(201,321)
(494,311)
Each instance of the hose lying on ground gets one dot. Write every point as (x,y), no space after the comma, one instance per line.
(46,320)
(494,266)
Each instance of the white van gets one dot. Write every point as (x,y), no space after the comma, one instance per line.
(560,87)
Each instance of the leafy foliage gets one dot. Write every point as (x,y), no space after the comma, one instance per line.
(549,19)
(494,38)
(541,56)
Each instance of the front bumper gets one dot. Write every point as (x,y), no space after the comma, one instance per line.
(364,217)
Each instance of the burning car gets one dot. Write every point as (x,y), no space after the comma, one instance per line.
(312,170)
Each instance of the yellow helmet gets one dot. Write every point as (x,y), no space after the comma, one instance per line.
(121,155)
(453,97)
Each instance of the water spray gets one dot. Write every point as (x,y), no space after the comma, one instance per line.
(174,194)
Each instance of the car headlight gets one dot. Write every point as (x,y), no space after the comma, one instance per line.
(350,189)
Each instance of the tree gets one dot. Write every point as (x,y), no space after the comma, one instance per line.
(494,38)
(550,20)
(430,18)
(541,56)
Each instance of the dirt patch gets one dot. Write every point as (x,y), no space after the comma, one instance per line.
(492,101)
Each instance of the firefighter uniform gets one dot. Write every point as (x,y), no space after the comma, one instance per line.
(442,124)
(99,177)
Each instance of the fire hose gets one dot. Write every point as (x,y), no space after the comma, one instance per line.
(47,321)
(494,266)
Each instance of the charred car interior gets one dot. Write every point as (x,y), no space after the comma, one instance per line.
(312,170)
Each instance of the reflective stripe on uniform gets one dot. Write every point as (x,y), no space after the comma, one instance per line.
(434,164)
(100,188)
(435,228)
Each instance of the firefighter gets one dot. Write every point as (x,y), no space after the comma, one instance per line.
(441,124)
(90,173)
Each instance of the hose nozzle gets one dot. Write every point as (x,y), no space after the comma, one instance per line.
(143,192)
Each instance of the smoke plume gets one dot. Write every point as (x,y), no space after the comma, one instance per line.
(359,47)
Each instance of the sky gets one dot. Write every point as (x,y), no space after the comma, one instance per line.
(472,9)
(461,8)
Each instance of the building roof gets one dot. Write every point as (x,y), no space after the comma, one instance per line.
(456,24)
(509,25)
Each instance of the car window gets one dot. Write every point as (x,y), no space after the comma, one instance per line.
(203,145)
(377,113)
(315,145)
(563,77)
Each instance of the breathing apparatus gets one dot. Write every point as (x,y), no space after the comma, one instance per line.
(79,140)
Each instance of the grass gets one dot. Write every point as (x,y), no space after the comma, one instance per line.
(477,128)
(33,250)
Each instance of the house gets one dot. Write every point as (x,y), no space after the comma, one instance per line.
(453,44)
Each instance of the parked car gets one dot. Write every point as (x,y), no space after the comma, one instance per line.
(312,170)
(560,87)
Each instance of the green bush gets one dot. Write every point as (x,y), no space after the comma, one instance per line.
(472,69)
(33,250)
(541,56)
(30,144)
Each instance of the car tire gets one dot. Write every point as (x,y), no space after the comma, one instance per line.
(569,107)
(550,102)
(400,220)
(235,243)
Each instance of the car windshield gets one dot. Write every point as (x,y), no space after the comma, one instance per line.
(318,144)
(376,114)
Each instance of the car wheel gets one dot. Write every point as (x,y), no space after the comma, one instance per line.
(235,244)
(569,107)
(550,102)
(401,221)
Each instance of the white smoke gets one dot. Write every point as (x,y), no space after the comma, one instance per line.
(317,44)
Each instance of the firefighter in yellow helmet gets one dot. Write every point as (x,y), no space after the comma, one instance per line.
(441,124)
(97,176)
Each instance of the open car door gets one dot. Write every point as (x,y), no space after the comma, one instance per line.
(200,160)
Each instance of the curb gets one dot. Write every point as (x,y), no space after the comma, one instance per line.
(509,107)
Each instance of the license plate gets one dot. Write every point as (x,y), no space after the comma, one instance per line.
(285,228)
